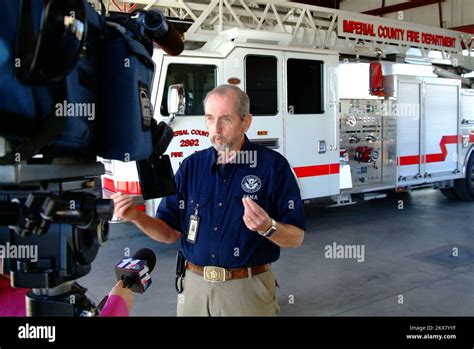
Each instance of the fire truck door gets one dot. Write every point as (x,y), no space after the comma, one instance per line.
(311,135)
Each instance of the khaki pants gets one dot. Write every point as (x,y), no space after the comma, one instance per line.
(253,296)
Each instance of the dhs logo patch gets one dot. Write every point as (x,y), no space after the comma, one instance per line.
(251,184)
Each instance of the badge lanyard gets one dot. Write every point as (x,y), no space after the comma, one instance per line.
(193,226)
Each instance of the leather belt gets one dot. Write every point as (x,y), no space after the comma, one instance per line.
(218,274)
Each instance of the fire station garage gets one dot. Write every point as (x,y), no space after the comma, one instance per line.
(250,157)
(373,108)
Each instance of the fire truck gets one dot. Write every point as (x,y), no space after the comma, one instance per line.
(359,105)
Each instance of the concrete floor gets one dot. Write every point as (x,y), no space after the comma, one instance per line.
(407,261)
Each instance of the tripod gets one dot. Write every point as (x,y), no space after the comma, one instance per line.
(67,299)
(67,223)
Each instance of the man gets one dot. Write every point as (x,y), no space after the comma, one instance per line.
(237,204)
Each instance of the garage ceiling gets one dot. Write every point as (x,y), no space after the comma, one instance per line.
(322,3)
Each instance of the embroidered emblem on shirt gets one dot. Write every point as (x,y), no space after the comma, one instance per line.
(251,183)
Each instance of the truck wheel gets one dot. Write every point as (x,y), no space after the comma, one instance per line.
(464,188)
(449,193)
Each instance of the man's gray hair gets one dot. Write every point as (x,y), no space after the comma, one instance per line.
(242,104)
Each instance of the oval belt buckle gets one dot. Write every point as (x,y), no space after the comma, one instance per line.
(214,274)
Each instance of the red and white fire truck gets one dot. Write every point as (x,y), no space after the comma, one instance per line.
(359,105)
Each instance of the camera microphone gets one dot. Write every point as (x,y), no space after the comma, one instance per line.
(162,32)
(135,271)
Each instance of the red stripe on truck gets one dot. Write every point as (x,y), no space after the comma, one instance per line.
(127,187)
(429,158)
(334,168)
(444,151)
(409,160)
(141,208)
(124,187)
(316,170)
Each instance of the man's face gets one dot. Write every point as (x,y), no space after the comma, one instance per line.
(226,129)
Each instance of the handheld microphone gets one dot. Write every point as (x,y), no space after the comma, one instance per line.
(162,32)
(135,271)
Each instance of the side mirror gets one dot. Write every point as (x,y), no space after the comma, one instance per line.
(176,100)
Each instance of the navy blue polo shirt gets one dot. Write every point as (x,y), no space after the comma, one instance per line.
(216,191)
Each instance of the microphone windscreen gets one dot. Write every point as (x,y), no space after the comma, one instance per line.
(145,254)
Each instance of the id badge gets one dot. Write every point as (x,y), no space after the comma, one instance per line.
(193,228)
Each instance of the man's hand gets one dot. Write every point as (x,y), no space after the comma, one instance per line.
(124,207)
(255,217)
(155,228)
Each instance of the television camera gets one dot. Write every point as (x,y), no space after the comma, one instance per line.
(75,85)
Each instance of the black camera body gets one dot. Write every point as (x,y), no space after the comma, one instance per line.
(77,85)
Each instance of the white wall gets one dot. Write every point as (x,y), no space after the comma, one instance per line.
(455,12)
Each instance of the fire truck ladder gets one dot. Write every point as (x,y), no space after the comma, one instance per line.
(301,25)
